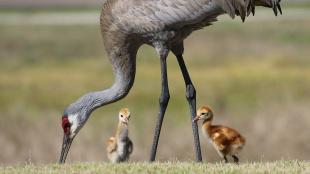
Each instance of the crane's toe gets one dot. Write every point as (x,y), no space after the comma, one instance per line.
(225,159)
(236,159)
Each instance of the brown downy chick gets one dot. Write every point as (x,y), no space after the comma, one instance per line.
(225,140)
(111,150)
(120,147)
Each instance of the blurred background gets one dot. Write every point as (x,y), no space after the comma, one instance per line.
(255,75)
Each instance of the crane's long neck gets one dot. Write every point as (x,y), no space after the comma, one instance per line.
(120,88)
(124,66)
(123,60)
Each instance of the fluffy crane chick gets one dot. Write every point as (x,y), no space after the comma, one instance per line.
(225,140)
(120,147)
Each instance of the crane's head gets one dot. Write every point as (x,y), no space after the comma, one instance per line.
(204,113)
(72,121)
(124,115)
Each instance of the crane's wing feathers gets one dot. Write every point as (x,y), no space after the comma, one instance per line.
(274,4)
(234,7)
(157,15)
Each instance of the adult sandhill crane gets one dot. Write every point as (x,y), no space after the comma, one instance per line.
(163,24)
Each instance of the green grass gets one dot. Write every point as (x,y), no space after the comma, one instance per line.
(292,167)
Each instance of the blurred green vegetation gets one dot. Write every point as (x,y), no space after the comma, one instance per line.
(242,65)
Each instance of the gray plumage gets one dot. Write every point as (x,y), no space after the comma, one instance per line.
(163,24)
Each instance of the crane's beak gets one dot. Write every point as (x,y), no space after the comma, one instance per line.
(67,141)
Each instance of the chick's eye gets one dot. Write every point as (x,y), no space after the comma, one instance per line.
(122,116)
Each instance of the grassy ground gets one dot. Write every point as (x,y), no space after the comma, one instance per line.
(291,167)
(254,75)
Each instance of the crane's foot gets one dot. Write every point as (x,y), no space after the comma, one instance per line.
(236,159)
(225,159)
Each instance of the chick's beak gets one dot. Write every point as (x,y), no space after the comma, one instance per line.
(196,119)
(128,117)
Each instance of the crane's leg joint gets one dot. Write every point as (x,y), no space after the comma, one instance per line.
(190,92)
(164,99)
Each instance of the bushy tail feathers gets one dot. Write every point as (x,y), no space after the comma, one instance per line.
(244,8)
(274,4)
(234,7)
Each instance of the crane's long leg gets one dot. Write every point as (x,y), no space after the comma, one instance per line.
(191,98)
(163,103)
